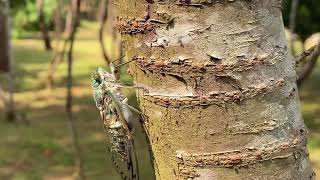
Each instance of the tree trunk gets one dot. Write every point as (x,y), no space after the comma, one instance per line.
(57,55)
(222,101)
(292,22)
(4,38)
(75,5)
(293,15)
(103,16)
(68,23)
(43,26)
(6,59)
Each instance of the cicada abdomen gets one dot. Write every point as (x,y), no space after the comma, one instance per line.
(120,142)
(118,135)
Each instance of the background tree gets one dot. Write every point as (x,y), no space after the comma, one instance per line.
(103,17)
(6,60)
(43,26)
(308,12)
(222,101)
(4,37)
(75,20)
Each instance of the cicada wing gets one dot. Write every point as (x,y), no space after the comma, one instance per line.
(126,168)
(122,149)
(124,160)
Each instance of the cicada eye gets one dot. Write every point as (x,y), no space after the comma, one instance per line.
(96,76)
(115,71)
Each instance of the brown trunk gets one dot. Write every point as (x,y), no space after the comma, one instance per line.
(6,60)
(222,99)
(4,38)
(68,23)
(75,6)
(103,19)
(59,51)
(43,26)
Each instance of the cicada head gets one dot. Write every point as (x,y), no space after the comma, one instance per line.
(98,89)
(106,76)
(96,79)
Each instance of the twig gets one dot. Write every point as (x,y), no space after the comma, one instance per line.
(305,54)
(308,68)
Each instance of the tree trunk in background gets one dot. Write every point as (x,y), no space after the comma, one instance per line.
(223,101)
(57,54)
(292,22)
(103,16)
(75,6)
(68,23)
(58,19)
(4,38)
(6,59)
(43,26)
(293,15)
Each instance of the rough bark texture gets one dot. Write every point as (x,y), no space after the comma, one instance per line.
(222,101)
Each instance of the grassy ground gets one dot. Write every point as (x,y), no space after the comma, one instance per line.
(43,150)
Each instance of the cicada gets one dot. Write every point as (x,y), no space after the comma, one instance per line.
(117,118)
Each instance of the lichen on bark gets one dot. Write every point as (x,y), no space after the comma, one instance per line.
(222,101)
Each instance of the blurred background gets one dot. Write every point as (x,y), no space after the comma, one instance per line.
(45,118)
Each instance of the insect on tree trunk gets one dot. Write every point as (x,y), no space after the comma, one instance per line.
(43,26)
(6,60)
(75,4)
(223,101)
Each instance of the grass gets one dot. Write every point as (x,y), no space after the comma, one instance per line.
(43,149)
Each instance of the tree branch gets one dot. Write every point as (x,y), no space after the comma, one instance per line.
(308,68)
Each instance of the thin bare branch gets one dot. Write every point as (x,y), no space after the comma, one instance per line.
(305,54)
(310,64)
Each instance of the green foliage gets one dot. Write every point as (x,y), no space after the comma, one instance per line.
(25,15)
(307,18)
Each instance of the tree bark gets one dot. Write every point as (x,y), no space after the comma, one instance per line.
(222,99)
(43,26)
